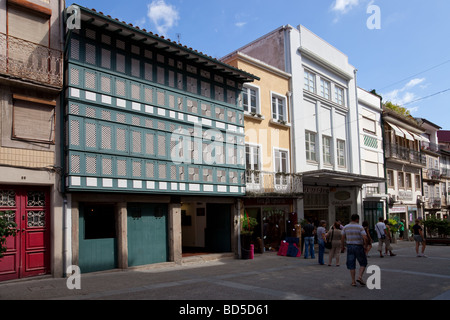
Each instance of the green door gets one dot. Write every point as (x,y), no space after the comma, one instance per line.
(147,234)
(97,242)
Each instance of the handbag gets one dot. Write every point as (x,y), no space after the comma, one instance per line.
(328,243)
(383,236)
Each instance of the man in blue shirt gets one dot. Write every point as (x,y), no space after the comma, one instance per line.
(354,236)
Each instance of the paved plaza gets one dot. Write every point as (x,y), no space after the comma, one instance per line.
(268,277)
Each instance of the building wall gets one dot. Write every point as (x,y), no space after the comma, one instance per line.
(30,110)
(266,131)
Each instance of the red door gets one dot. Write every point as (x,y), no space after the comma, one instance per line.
(28,252)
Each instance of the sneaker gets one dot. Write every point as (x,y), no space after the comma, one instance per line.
(424,256)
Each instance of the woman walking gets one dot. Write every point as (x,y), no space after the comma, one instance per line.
(368,245)
(419,238)
(321,238)
(334,235)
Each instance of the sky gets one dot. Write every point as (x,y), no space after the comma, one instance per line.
(401,48)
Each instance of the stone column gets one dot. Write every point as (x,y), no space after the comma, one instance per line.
(175,240)
(122,238)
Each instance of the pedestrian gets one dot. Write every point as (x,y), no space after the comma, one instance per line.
(368,245)
(401,229)
(388,241)
(354,236)
(321,238)
(334,236)
(383,235)
(309,231)
(419,238)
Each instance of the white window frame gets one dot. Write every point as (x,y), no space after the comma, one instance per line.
(248,89)
(341,154)
(339,99)
(309,81)
(276,115)
(310,146)
(280,180)
(255,176)
(325,89)
(326,150)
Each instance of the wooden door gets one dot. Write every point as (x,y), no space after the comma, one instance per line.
(28,252)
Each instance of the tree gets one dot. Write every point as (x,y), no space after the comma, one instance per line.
(7,229)
(399,109)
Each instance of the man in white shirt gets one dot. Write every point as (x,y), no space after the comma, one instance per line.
(383,237)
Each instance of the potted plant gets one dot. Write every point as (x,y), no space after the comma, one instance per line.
(7,229)
(248,225)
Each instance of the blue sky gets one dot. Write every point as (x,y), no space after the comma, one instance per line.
(406,60)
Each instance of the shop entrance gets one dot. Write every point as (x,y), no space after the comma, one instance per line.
(97,237)
(372,212)
(344,214)
(206,228)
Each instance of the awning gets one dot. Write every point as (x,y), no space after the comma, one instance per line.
(396,129)
(337,178)
(408,135)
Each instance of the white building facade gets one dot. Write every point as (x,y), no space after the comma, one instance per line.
(326,148)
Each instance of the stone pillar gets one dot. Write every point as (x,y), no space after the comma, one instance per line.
(122,238)
(175,240)
(75,232)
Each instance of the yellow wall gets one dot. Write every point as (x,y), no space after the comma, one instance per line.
(267,134)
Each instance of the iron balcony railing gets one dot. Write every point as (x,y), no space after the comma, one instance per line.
(405,154)
(432,174)
(272,183)
(425,145)
(30,61)
(433,203)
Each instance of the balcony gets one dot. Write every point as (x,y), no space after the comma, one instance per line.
(432,174)
(30,62)
(260,183)
(433,203)
(403,154)
(428,146)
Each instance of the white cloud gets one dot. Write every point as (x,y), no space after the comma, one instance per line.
(414,82)
(164,16)
(343,6)
(240,24)
(404,95)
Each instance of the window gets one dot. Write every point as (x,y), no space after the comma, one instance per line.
(326,148)
(408,181)
(253,164)
(250,100)
(401,180)
(279,108)
(369,125)
(33,119)
(281,166)
(310,82)
(325,89)
(390,176)
(341,153)
(339,95)
(417,181)
(310,140)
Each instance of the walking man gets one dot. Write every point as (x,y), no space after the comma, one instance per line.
(355,237)
(384,237)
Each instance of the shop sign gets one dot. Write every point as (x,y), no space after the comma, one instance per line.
(397,209)
(316,190)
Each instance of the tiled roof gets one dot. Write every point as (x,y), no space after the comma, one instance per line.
(245,76)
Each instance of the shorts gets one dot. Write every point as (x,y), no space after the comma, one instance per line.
(418,238)
(355,252)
